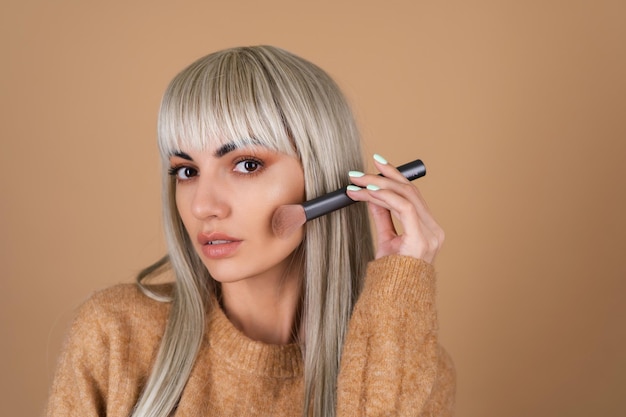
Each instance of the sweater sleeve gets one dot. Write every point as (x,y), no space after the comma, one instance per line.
(80,384)
(392,363)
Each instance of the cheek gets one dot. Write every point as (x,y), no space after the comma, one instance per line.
(277,197)
(261,210)
(276,194)
(291,192)
(287,189)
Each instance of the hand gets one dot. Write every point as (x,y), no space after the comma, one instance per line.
(393,195)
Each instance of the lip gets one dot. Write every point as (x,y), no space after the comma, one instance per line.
(223,245)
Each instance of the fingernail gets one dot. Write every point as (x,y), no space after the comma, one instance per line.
(380,159)
(373,187)
(352,188)
(355,174)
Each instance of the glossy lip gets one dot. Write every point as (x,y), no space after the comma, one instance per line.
(220,250)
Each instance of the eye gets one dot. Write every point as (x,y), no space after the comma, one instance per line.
(248,166)
(183,173)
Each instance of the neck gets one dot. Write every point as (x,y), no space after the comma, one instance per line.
(264,309)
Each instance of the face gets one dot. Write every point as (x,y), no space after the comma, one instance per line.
(226,197)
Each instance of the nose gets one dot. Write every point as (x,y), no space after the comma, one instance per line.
(210,200)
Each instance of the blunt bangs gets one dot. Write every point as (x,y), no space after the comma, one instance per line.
(222,98)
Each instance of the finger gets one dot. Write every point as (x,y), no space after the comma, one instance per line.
(387,170)
(393,203)
(392,179)
(385,229)
(419,238)
(393,192)
(402,187)
(405,190)
(401,208)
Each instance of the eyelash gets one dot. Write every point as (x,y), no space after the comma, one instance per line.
(257,161)
(175,170)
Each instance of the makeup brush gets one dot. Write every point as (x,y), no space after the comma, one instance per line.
(288,218)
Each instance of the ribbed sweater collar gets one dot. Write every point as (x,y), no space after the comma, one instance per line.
(250,356)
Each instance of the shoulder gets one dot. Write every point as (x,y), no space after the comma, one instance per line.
(122,296)
(112,342)
(125,299)
(121,309)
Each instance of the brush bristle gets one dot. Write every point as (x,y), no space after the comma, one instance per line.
(287,219)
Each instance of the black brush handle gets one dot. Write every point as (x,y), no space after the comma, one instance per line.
(339,199)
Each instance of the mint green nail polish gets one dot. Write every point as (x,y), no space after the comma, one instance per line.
(352,188)
(380,159)
(373,187)
(355,174)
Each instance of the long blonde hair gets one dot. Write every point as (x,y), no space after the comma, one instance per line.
(291,106)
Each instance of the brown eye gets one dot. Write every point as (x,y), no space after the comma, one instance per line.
(183,173)
(248,166)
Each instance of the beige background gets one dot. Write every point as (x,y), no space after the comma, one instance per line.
(517,108)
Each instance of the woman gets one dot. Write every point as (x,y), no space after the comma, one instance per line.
(313,323)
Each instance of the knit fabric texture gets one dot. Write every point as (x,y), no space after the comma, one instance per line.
(392,363)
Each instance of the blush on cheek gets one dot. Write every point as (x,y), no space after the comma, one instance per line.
(280,196)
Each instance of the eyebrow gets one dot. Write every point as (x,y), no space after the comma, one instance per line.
(224,149)
(231,146)
(182,155)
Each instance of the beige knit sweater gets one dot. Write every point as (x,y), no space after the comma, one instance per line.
(392,364)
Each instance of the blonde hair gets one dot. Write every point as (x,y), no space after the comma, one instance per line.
(268,95)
